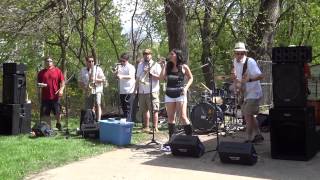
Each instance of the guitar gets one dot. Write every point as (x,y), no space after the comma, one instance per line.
(240,85)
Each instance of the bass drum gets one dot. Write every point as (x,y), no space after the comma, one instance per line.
(204,116)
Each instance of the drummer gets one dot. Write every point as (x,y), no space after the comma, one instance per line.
(174,72)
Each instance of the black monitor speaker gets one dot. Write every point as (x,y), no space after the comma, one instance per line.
(237,153)
(183,145)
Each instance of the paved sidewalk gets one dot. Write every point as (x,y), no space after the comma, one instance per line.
(152,164)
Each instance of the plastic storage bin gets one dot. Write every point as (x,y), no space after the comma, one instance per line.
(115,132)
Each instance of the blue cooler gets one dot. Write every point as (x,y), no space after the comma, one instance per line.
(115,132)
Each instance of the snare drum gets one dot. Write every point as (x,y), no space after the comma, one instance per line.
(205,115)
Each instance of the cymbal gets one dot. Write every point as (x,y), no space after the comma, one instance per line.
(221,77)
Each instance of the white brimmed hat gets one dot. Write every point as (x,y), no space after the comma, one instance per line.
(240,46)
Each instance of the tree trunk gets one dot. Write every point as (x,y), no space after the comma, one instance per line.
(260,41)
(206,56)
(261,37)
(176,26)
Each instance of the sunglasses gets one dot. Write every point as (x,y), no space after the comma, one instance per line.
(239,53)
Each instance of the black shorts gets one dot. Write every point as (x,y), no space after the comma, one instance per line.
(50,105)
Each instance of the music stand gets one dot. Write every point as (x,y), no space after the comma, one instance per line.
(152,141)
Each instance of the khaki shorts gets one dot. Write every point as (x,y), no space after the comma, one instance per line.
(250,107)
(145,103)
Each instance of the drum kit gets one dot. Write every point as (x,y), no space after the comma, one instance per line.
(209,114)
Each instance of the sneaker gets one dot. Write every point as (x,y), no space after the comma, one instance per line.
(58,126)
(258,138)
(146,130)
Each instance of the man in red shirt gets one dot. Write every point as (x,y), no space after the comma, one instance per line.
(52,81)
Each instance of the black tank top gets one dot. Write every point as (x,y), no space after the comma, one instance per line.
(175,83)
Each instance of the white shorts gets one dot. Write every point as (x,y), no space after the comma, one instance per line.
(182,98)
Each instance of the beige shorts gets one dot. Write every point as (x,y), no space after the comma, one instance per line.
(250,107)
(145,103)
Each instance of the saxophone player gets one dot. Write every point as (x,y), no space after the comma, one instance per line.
(91,80)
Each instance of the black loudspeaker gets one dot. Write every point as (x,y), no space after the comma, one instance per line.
(14,89)
(301,54)
(182,145)
(15,118)
(237,153)
(14,68)
(293,135)
(289,86)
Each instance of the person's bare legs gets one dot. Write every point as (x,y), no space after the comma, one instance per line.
(155,120)
(171,112)
(146,117)
(98,107)
(182,113)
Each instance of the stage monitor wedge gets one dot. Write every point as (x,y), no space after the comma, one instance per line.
(237,153)
(183,145)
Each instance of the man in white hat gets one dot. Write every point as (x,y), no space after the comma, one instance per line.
(247,75)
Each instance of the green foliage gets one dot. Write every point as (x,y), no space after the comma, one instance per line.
(22,155)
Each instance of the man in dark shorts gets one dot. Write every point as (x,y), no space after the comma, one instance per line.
(51,81)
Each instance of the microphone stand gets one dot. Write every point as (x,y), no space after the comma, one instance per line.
(215,119)
(67,106)
(153,141)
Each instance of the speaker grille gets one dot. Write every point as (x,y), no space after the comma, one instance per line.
(289,87)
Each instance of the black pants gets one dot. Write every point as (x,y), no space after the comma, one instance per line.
(125,104)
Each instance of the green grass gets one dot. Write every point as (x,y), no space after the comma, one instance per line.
(22,155)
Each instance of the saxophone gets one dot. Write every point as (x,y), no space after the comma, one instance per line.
(91,83)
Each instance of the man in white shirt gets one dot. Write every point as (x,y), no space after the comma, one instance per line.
(148,71)
(125,72)
(247,75)
(91,80)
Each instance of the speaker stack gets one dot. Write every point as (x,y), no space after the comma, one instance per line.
(15,113)
(293,134)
